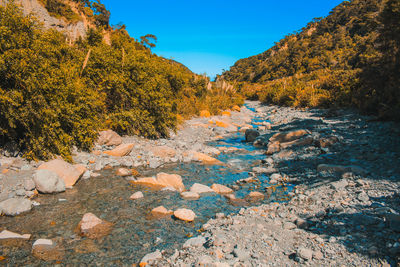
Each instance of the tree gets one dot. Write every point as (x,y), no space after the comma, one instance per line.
(146,42)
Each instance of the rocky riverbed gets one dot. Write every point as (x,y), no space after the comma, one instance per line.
(344,209)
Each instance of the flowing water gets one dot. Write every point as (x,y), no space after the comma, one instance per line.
(135,233)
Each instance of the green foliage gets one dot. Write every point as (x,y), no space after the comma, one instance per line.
(54,96)
(349,58)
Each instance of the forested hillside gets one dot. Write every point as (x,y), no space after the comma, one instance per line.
(55,95)
(349,58)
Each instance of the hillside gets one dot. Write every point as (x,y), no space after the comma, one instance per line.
(349,58)
(56,94)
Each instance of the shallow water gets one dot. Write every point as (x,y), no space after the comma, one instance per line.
(134,232)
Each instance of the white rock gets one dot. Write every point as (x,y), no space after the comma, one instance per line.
(136,195)
(47,181)
(43,242)
(10,235)
(201,189)
(15,206)
(190,195)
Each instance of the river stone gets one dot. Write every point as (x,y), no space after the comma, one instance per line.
(136,195)
(15,206)
(221,189)
(109,138)
(66,171)
(5,234)
(173,180)
(201,189)
(251,135)
(47,250)
(148,258)
(93,227)
(190,195)
(123,172)
(160,211)
(185,215)
(48,182)
(120,151)
(29,185)
(288,136)
(304,253)
(256,195)
(194,242)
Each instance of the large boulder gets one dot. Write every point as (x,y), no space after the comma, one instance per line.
(251,135)
(15,206)
(66,171)
(109,138)
(48,182)
(93,227)
(120,151)
(284,137)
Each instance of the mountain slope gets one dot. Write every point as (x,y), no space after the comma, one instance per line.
(325,63)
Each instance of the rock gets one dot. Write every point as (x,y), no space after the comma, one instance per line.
(48,182)
(194,242)
(251,135)
(201,189)
(273,148)
(15,206)
(163,152)
(189,195)
(221,189)
(123,172)
(236,108)
(66,171)
(173,180)
(363,197)
(151,257)
(81,169)
(276,176)
(121,150)
(340,169)
(93,227)
(47,250)
(205,114)
(185,215)
(301,223)
(318,255)
(256,195)
(10,235)
(205,159)
(29,185)
(339,185)
(304,253)
(308,140)
(289,226)
(327,141)
(288,136)
(109,138)
(160,211)
(136,195)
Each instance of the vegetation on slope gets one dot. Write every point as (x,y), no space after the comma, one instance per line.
(350,58)
(54,96)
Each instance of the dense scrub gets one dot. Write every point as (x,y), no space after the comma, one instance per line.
(350,58)
(54,96)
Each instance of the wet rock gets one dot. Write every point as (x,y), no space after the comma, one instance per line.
(151,257)
(201,189)
(304,253)
(189,195)
(109,138)
(15,206)
(47,250)
(185,215)
(194,242)
(161,211)
(48,182)
(256,195)
(66,171)
(251,135)
(123,172)
(136,195)
(93,227)
(10,235)
(121,150)
(221,189)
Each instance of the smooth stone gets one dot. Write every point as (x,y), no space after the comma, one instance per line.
(109,138)
(120,151)
(15,206)
(66,171)
(5,234)
(161,211)
(136,195)
(201,189)
(48,182)
(123,172)
(190,195)
(185,215)
(304,253)
(93,227)
(221,189)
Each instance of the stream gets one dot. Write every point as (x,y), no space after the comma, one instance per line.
(135,233)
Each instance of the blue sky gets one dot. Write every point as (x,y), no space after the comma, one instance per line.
(208,36)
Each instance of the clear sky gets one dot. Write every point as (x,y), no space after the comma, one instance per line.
(210,35)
